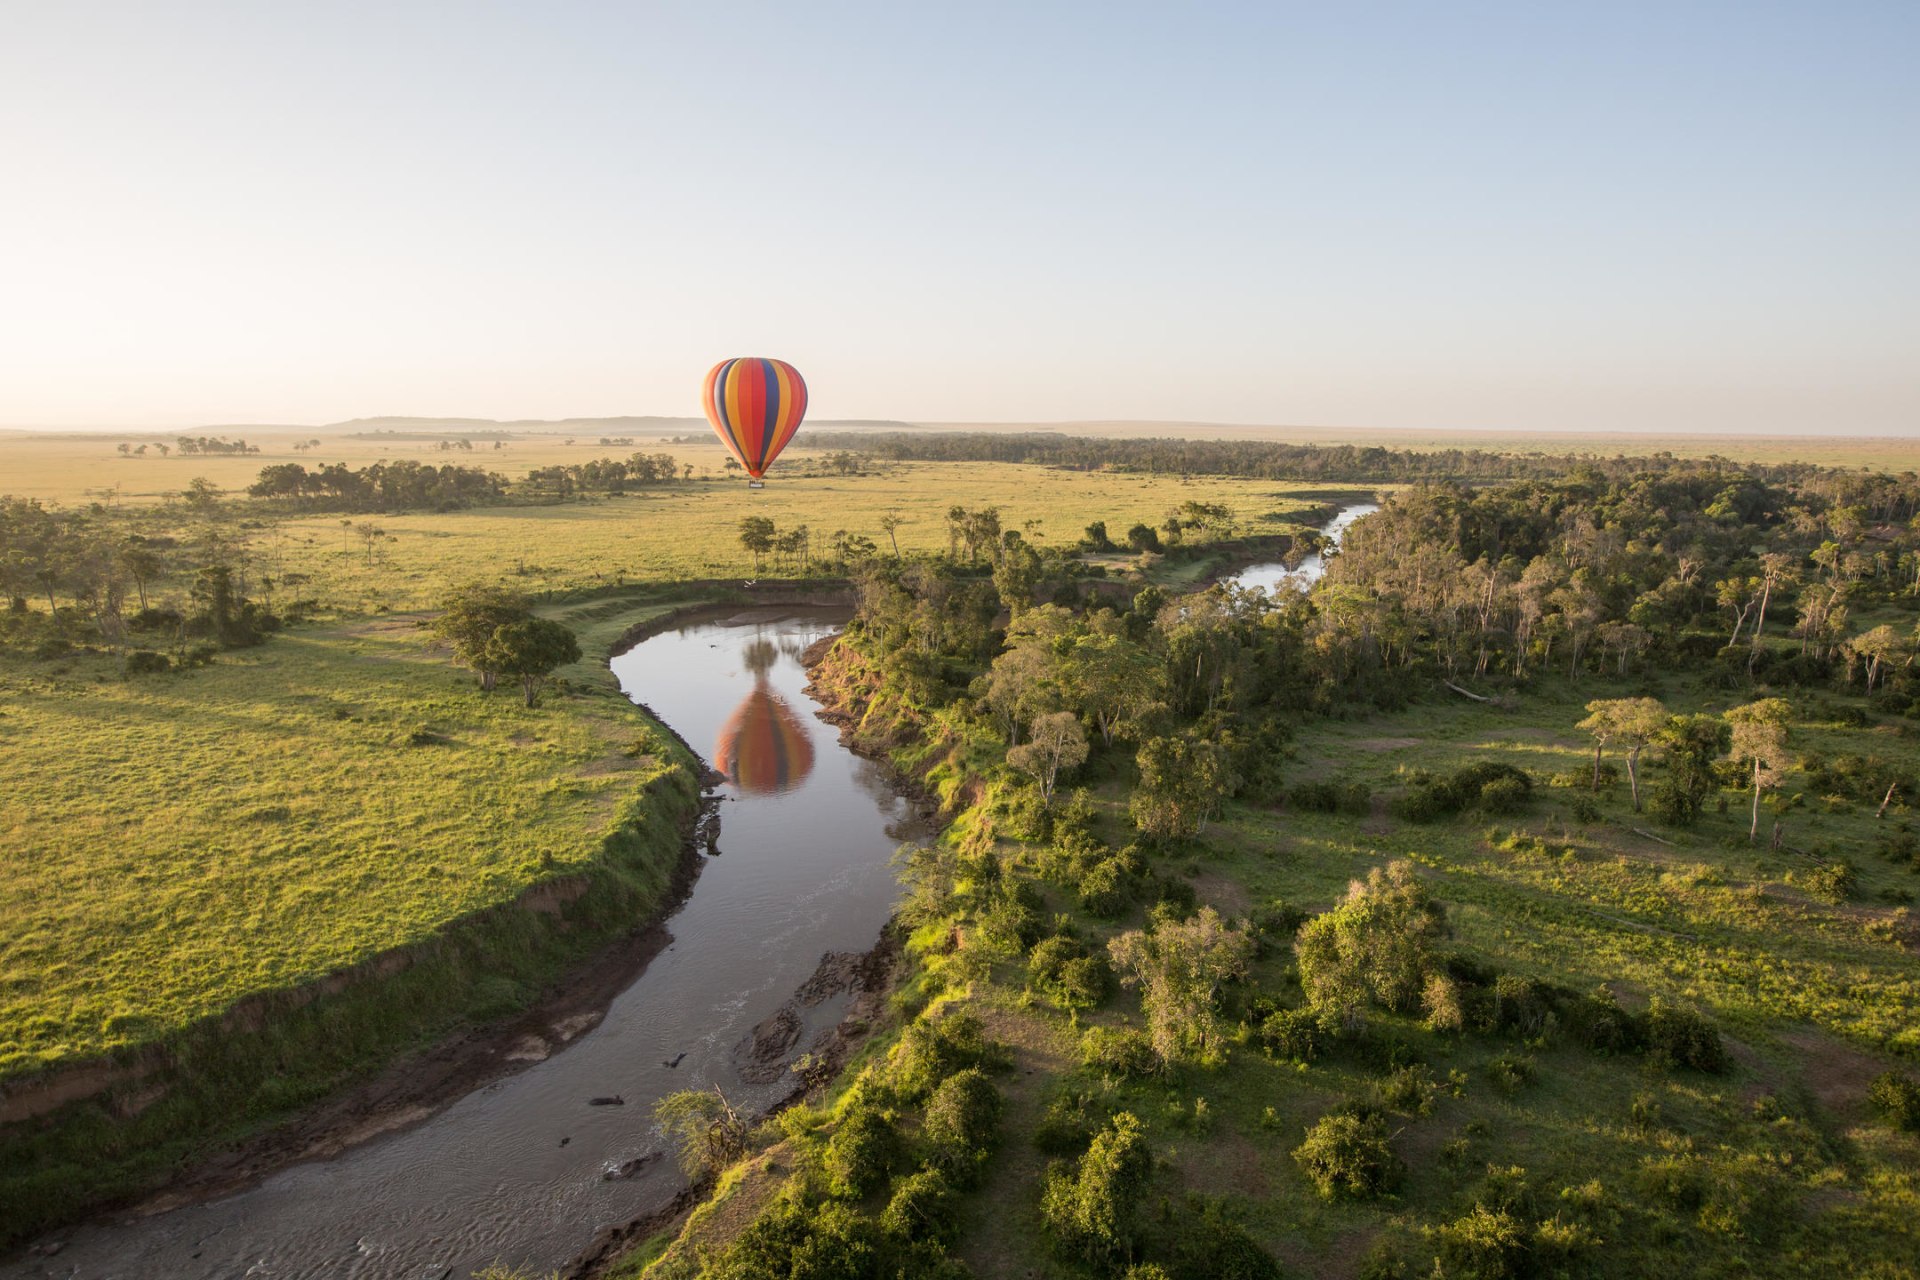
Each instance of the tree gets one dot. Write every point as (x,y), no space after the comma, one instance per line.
(708,1132)
(1180,967)
(1633,721)
(1879,646)
(1373,947)
(1094,1209)
(757,536)
(1759,743)
(1057,742)
(531,649)
(1689,745)
(890,522)
(473,614)
(1183,781)
(1113,680)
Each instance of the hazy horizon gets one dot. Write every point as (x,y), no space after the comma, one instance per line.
(1639,219)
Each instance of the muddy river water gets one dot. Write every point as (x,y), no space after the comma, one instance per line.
(516,1172)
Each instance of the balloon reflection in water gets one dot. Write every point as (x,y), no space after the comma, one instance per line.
(763,747)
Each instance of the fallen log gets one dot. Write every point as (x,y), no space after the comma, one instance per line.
(1466,693)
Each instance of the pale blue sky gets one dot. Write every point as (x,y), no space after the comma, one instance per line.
(1537,216)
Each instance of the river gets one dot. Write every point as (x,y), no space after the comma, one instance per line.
(1268,577)
(514,1172)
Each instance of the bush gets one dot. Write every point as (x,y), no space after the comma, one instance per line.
(1092,1208)
(1118,1052)
(1504,796)
(1584,809)
(1683,1037)
(924,1206)
(1409,1090)
(1486,1244)
(145,662)
(861,1152)
(1510,1072)
(1209,1245)
(1898,1098)
(1598,1022)
(1829,882)
(795,1239)
(1068,1124)
(930,1050)
(1352,798)
(1298,1034)
(960,1124)
(1346,1154)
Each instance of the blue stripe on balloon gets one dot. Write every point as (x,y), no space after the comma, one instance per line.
(770,418)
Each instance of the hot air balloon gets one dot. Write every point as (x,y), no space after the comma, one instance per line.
(763,747)
(755,406)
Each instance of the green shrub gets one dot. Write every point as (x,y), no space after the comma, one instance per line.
(930,1050)
(1346,1154)
(1067,1125)
(145,662)
(1832,882)
(1485,1244)
(1898,1097)
(1409,1090)
(924,1206)
(1121,1052)
(1510,1072)
(1683,1038)
(1297,1034)
(1210,1245)
(960,1124)
(1598,1022)
(861,1152)
(1504,796)
(791,1239)
(1092,1208)
(1584,808)
(1062,967)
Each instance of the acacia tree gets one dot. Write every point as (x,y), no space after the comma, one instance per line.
(1760,745)
(1057,742)
(1180,967)
(473,614)
(1635,722)
(757,536)
(531,649)
(890,522)
(1879,647)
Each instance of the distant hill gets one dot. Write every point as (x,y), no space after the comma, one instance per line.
(629,425)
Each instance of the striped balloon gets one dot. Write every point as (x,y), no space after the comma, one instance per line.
(763,747)
(755,406)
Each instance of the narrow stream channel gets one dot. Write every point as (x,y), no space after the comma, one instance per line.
(515,1172)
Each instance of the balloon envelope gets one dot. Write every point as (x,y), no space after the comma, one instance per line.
(755,406)
(763,747)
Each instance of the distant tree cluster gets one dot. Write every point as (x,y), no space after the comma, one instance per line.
(608,475)
(380,486)
(213,445)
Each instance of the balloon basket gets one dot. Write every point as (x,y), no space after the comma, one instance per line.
(756,484)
